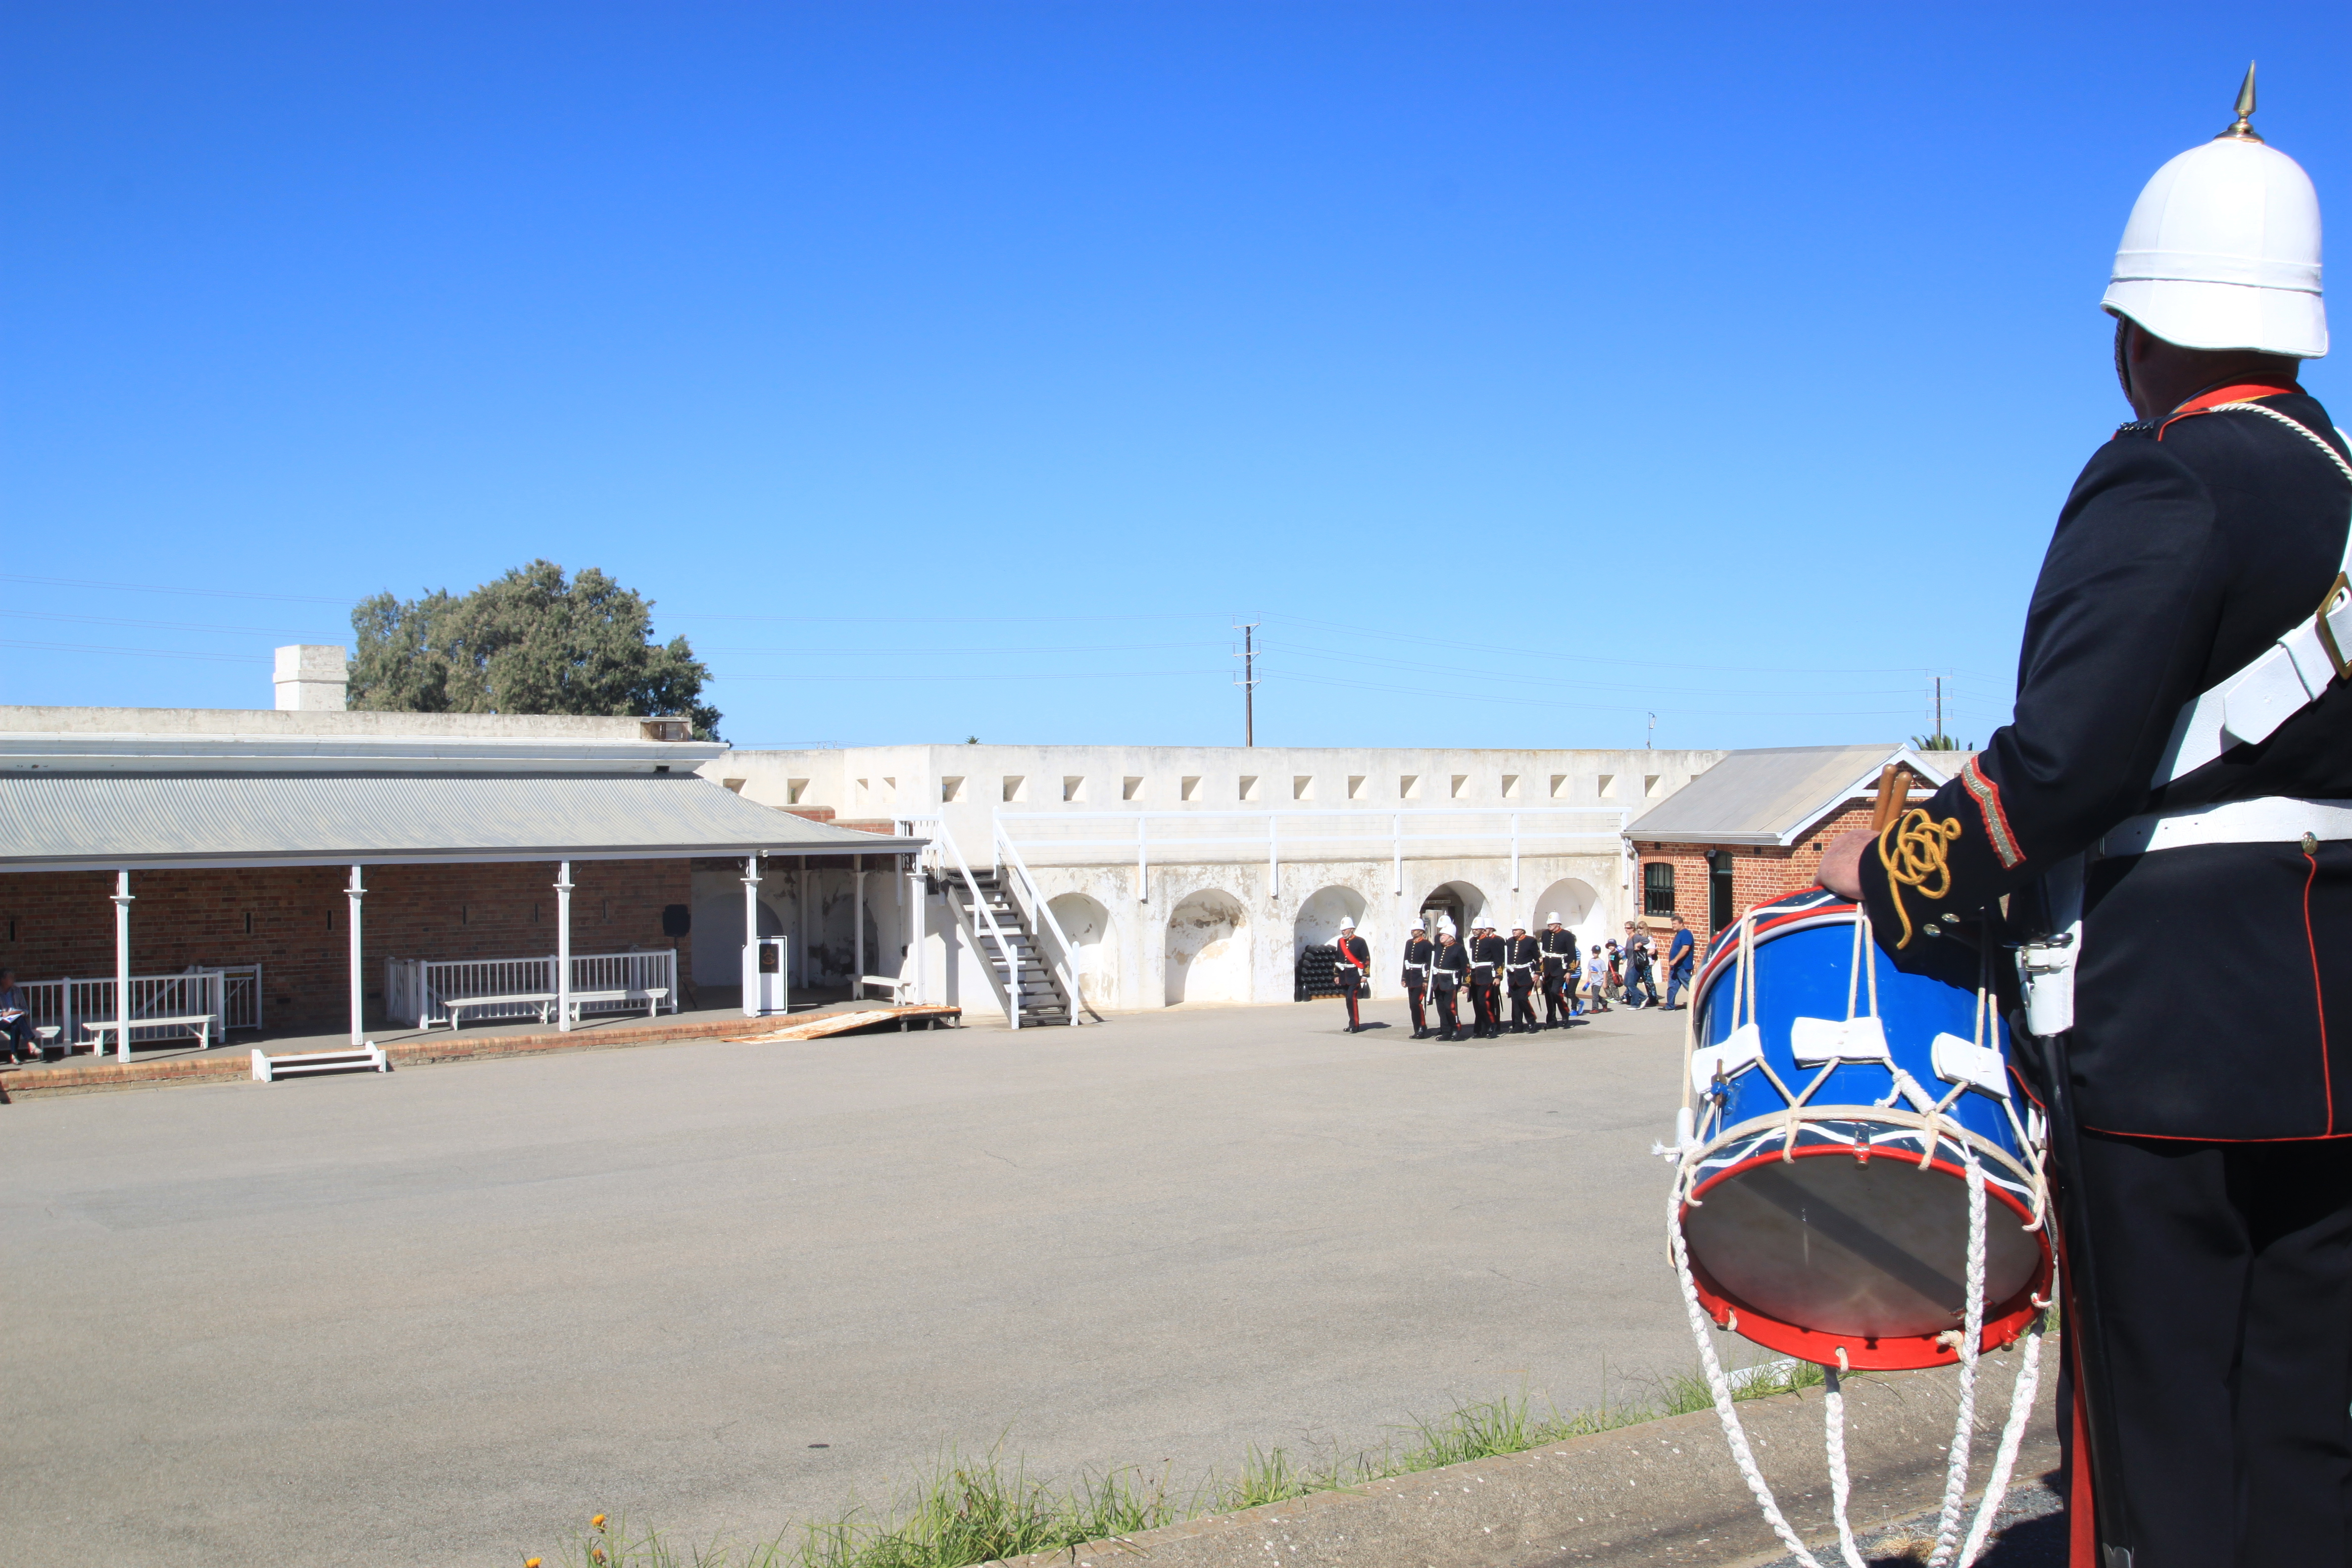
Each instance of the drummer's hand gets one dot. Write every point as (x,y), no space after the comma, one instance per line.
(1840,871)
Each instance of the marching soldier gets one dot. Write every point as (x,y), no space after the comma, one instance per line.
(1558,946)
(1520,957)
(1418,951)
(2178,779)
(1449,971)
(1485,974)
(1351,967)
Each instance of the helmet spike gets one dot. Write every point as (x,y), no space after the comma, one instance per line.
(2239,131)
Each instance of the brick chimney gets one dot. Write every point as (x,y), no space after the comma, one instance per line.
(311,678)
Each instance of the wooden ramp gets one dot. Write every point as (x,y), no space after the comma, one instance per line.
(824,1024)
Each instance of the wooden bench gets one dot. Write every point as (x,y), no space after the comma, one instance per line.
(543,1000)
(653,996)
(200,1022)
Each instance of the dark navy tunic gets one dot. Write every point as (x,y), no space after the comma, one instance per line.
(2213,996)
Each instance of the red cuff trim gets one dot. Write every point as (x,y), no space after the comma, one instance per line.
(1987,794)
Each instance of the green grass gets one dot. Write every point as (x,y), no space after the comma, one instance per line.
(971,1510)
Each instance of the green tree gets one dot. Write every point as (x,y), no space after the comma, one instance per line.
(1939,744)
(528,642)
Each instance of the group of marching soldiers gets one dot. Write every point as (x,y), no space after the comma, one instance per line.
(1438,973)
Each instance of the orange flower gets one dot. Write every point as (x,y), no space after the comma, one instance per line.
(597,1522)
(531,1562)
(597,1553)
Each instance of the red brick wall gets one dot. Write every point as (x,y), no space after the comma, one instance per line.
(290,921)
(1759,873)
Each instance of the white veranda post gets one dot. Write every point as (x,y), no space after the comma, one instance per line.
(857,926)
(563,946)
(919,896)
(355,892)
(121,967)
(751,936)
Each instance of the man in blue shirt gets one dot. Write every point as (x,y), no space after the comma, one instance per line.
(1678,962)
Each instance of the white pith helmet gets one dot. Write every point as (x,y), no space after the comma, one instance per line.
(1347,925)
(1446,928)
(1552,919)
(2222,250)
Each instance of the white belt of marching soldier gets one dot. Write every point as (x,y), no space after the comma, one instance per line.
(2045,969)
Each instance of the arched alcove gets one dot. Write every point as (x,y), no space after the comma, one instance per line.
(1464,903)
(1576,901)
(1208,949)
(1087,925)
(1319,918)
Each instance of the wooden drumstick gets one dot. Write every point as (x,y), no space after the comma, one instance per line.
(1894,794)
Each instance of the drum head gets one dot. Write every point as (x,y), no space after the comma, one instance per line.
(1827,1244)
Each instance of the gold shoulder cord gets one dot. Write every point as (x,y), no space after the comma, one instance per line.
(1915,848)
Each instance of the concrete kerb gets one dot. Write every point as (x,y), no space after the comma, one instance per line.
(1664,1490)
(453,1046)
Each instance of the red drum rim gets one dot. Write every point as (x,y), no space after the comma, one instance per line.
(2004,1322)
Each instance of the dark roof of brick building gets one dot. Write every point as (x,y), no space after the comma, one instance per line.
(1775,795)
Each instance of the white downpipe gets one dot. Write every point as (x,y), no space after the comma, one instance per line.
(922,903)
(751,938)
(1143,857)
(563,946)
(122,966)
(1396,847)
(355,892)
(1514,851)
(1273,856)
(1008,853)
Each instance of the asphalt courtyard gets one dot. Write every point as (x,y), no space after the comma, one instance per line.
(440,1317)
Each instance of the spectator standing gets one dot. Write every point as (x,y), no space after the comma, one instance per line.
(1679,954)
(15,1020)
(1596,982)
(1640,988)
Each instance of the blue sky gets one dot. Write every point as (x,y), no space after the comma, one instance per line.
(972,369)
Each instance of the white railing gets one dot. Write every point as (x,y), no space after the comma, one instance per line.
(417,992)
(1196,836)
(230,997)
(1013,871)
(1007,954)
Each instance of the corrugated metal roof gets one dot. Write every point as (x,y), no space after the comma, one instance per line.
(1768,795)
(60,822)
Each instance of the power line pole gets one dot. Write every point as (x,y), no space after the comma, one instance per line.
(1651,743)
(1248,682)
(1939,708)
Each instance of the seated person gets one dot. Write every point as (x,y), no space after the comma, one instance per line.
(15,1021)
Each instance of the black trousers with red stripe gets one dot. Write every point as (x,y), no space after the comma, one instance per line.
(2224,1277)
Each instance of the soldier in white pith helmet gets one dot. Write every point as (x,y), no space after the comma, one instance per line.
(1559,966)
(1351,967)
(2178,780)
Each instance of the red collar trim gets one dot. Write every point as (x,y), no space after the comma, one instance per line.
(2238,393)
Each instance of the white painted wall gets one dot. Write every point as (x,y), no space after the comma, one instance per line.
(1208,921)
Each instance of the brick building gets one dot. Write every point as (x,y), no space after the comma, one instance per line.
(1753,827)
(149,845)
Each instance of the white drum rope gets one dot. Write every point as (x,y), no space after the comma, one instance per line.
(1721,1388)
(1956,1475)
(1841,1486)
(2020,1410)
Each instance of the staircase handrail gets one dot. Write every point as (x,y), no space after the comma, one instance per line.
(1008,854)
(1004,947)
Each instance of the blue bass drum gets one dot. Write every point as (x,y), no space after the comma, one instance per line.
(1834,1104)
